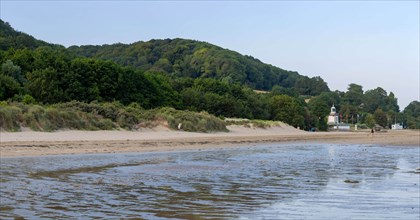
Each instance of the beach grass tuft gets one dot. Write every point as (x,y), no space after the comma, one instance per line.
(102,116)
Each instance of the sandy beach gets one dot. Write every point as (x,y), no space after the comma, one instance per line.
(30,143)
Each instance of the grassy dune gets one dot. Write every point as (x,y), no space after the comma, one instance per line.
(102,116)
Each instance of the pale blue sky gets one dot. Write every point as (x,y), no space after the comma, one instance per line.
(374,43)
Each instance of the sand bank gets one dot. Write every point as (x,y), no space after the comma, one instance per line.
(30,143)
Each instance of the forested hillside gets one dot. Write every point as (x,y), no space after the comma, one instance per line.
(194,59)
(180,74)
(10,38)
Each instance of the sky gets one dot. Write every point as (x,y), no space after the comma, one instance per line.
(370,43)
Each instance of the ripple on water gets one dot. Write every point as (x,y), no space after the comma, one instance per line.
(291,181)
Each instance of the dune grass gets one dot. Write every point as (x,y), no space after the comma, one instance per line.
(187,120)
(253,123)
(102,116)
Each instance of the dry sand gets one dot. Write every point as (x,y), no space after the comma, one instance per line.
(30,143)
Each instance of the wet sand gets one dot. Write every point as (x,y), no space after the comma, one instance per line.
(30,143)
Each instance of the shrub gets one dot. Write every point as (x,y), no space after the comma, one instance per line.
(126,120)
(104,124)
(114,111)
(10,118)
(253,123)
(187,120)
(27,99)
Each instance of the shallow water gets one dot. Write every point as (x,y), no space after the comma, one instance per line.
(259,182)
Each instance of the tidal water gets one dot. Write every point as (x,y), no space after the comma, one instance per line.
(276,181)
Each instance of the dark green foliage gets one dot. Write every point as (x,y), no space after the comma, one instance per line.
(134,87)
(176,73)
(354,95)
(381,118)
(223,99)
(90,80)
(257,104)
(311,86)
(378,98)
(53,76)
(287,109)
(194,59)
(24,58)
(392,103)
(45,85)
(411,115)
(14,71)
(8,87)
(163,75)
(27,99)
(413,109)
(278,90)
(162,93)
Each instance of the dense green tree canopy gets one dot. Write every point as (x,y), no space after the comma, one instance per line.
(188,58)
(14,71)
(411,115)
(182,74)
(287,109)
(354,95)
(380,117)
(378,98)
(9,87)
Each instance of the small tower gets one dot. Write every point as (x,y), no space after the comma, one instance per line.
(333,117)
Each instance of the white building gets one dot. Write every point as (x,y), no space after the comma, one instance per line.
(333,117)
(396,126)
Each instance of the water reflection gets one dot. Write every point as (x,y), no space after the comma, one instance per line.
(272,181)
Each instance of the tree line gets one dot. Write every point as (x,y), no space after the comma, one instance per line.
(185,75)
(195,59)
(48,76)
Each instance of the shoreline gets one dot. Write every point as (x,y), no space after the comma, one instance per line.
(30,143)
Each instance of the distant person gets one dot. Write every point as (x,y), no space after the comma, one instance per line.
(371,132)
